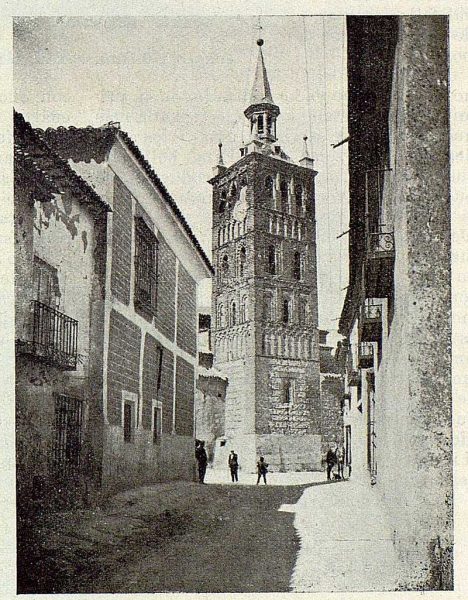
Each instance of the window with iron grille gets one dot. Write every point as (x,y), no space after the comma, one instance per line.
(68,425)
(146,266)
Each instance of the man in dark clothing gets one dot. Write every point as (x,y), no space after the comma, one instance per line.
(262,470)
(331,462)
(233,465)
(202,459)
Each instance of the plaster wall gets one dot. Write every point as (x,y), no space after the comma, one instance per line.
(64,233)
(413,388)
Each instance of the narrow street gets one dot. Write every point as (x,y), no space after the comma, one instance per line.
(184,537)
(179,537)
(345,541)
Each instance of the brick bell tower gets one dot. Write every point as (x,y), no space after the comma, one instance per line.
(264,302)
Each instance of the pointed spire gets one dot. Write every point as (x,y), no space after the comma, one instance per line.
(261,92)
(262,111)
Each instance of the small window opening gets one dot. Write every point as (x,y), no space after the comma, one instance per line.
(286,311)
(128,421)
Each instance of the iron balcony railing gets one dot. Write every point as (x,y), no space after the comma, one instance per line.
(53,337)
(371,311)
(380,243)
(370,321)
(354,378)
(366,355)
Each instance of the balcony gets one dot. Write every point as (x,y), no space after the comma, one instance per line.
(366,356)
(380,254)
(370,321)
(53,338)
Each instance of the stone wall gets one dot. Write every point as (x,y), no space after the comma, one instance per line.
(142,462)
(331,392)
(210,401)
(291,452)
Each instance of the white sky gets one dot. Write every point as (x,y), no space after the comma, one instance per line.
(179,85)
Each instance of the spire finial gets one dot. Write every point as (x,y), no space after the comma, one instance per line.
(220,158)
(306,146)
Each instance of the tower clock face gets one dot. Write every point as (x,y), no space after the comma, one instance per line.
(240,208)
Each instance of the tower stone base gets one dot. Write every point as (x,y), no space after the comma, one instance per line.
(281,452)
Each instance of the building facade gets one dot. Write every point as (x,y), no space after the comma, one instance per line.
(60,231)
(210,398)
(144,429)
(264,301)
(396,316)
(331,391)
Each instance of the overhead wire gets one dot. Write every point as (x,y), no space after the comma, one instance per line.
(325,100)
(343,33)
(309,102)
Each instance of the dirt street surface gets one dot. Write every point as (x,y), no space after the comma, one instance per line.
(177,537)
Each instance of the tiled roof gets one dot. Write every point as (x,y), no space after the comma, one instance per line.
(51,170)
(212,373)
(94,143)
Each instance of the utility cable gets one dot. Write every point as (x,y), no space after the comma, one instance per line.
(326,151)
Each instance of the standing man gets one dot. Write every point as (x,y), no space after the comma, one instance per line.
(331,461)
(233,466)
(202,459)
(262,470)
(340,457)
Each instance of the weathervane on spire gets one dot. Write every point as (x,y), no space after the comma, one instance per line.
(259,26)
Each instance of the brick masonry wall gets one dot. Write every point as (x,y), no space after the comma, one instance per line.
(273,415)
(185,397)
(165,314)
(123,372)
(150,378)
(150,383)
(331,392)
(166,391)
(210,411)
(121,242)
(255,398)
(187,313)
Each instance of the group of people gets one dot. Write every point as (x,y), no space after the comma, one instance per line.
(233,464)
(335,458)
